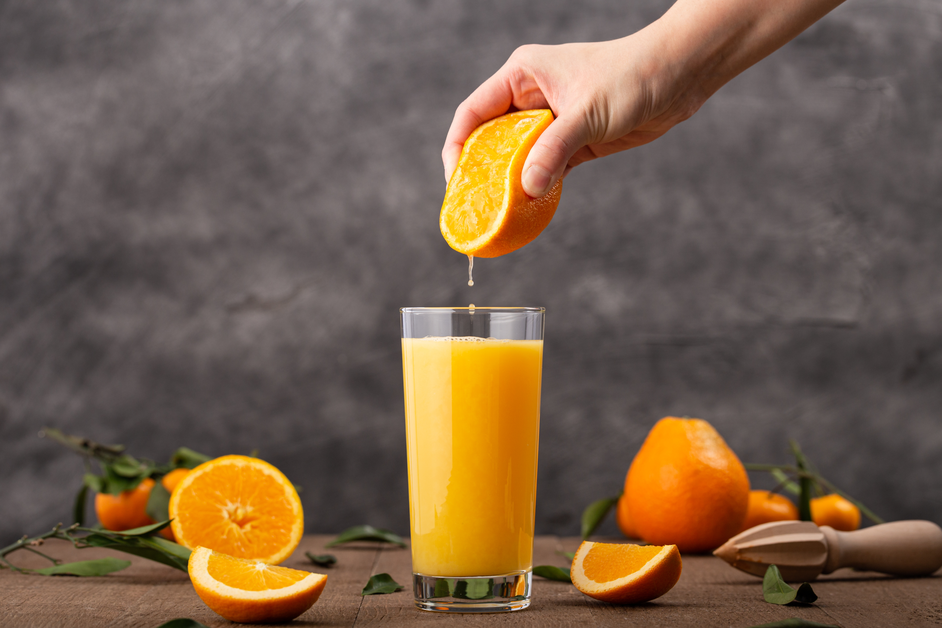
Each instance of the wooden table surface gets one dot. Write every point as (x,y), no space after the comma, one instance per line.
(709,593)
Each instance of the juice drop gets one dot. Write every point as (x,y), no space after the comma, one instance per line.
(470,268)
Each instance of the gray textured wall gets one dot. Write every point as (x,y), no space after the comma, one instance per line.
(210,212)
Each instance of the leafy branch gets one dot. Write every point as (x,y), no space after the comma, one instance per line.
(139,542)
(803,479)
(120,471)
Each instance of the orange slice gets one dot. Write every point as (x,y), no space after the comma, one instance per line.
(249,591)
(625,574)
(240,506)
(486,213)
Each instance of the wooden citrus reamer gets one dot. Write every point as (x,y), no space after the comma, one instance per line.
(802,550)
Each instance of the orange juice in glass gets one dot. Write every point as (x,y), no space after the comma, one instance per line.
(472,399)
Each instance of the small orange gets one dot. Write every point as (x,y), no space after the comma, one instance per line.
(625,574)
(170,482)
(486,213)
(623,518)
(250,591)
(240,506)
(766,506)
(835,511)
(173,478)
(686,487)
(126,510)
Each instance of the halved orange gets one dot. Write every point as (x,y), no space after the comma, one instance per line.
(486,213)
(250,591)
(625,574)
(240,506)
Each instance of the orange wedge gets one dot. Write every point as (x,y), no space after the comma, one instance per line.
(249,591)
(625,574)
(240,506)
(486,213)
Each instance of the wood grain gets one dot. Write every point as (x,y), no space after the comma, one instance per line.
(709,593)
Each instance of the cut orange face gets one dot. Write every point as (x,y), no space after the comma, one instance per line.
(486,213)
(249,591)
(625,574)
(240,506)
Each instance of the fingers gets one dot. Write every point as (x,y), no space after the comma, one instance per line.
(493,98)
(549,157)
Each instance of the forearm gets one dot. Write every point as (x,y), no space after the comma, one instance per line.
(615,95)
(709,42)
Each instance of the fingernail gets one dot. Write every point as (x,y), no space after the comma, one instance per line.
(536,181)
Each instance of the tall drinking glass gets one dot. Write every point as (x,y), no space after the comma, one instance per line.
(472,397)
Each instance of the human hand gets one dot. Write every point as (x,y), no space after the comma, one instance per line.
(607,97)
(615,95)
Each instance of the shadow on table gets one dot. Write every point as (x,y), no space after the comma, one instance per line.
(851,576)
(642,606)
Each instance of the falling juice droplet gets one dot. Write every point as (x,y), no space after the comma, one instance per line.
(470,268)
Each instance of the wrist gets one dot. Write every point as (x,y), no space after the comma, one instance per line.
(673,70)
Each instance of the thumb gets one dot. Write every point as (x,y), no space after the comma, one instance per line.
(547,160)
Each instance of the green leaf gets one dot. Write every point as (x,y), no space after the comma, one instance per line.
(182,623)
(148,529)
(794,622)
(128,467)
(381,583)
(805,483)
(443,587)
(806,594)
(94,482)
(170,548)
(785,482)
(158,504)
(570,555)
(98,567)
(777,591)
(152,548)
(552,573)
(367,533)
(186,458)
(595,514)
(115,483)
(324,560)
(78,508)
(473,589)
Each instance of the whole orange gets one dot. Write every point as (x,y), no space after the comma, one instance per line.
(623,518)
(766,506)
(686,487)
(170,482)
(173,478)
(835,511)
(125,510)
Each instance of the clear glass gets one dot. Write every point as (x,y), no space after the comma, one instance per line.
(472,400)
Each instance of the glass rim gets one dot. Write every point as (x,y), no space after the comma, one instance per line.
(528,310)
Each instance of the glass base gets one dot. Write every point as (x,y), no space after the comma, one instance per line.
(480,594)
